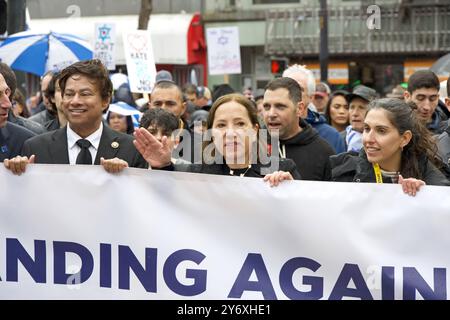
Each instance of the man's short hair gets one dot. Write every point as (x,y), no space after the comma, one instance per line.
(161,119)
(423,79)
(190,88)
(92,69)
(308,74)
(10,77)
(168,85)
(221,90)
(51,89)
(292,86)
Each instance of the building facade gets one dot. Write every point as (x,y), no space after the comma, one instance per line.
(377,43)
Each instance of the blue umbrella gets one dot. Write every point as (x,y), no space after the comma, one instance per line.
(38,53)
(126,110)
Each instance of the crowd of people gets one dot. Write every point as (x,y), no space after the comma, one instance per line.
(293,129)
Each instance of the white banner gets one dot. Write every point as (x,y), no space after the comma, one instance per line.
(148,234)
(105,44)
(224,55)
(140,61)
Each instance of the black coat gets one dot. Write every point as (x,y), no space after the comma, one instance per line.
(52,148)
(255,171)
(43,117)
(443,143)
(309,152)
(354,167)
(444,146)
(12,138)
(26,123)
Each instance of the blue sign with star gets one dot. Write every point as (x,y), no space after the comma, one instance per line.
(104,33)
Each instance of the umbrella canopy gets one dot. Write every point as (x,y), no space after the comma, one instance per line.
(442,65)
(38,53)
(125,110)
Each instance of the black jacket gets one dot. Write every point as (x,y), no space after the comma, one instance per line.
(51,148)
(438,122)
(222,169)
(444,146)
(12,138)
(354,167)
(443,143)
(43,117)
(310,153)
(26,123)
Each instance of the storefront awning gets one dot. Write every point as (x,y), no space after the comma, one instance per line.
(176,38)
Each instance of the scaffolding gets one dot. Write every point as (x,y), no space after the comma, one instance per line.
(415,29)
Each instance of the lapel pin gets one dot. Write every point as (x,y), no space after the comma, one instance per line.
(115,145)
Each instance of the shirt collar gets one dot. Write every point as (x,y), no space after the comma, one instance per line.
(94,138)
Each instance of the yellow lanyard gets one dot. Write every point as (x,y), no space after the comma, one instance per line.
(377,170)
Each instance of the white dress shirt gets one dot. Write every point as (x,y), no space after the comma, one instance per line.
(74,149)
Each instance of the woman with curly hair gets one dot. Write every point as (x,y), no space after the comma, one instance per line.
(397,148)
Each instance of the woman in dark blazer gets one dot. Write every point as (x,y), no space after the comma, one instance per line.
(232,147)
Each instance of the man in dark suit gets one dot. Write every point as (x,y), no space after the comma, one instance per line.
(52,147)
(12,136)
(86,93)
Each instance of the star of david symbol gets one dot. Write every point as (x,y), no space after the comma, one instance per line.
(222,40)
(104,33)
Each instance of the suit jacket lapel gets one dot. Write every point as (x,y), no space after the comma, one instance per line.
(4,137)
(105,148)
(59,150)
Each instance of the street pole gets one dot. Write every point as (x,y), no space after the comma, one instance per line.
(16,16)
(323,54)
(15,23)
(144,14)
(3,17)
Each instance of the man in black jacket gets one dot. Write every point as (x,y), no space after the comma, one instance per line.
(423,90)
(49,112)
(86,91)
(298,141)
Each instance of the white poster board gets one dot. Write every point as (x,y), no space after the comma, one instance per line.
(224,56)
(147,234)
(105,44)
(140,60)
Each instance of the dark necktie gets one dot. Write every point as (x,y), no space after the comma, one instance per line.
(84,157)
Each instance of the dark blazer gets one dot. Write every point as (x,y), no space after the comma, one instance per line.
(255,171)
(26,123)
(52,148)
(12,138)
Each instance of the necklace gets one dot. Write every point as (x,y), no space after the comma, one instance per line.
(242,174)
(282,151)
